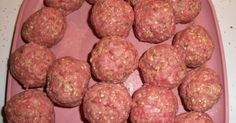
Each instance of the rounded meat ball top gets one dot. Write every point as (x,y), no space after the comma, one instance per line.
(67,6)
(201,89)
(29,64)
(154,20)
(193,117)
(112,18)
(186,10)
(107,102)
(30,106)
(196,43)
(113,59)
(153,104)
(46,27)
(68,80)
(162,65)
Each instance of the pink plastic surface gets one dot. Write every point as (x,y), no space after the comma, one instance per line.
(79,40)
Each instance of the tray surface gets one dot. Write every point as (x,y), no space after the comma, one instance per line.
(79,40)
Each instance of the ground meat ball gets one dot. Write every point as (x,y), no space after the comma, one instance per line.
(107,103)
(186,10)
(154,20)
(193,117)
(45,27)
(113,59)
(152,104)
(29,64)
(196,43)
(30,106)
(67,6)
(112,18)
(67,81)
(201,89)
(162,65)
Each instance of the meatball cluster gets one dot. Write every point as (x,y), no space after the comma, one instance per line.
(67,82)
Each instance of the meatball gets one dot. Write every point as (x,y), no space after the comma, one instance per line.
(153,104)
(113,59)
(107,103)
(30,106)
(162,65)
(186,10)
(67,81)
(193,117)
(46,27)
(201,89)
(67,6)
(154,20)
(29,64)
(112,18)
(196,43)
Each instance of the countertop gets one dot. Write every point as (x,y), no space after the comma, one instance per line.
(225,13)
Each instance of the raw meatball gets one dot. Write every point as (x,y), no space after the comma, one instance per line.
(112,18)
(186,10)
(107,103)
(162,65)
(154,20)
(113,59)
(29,64)
(196,43)
(67,6)
(152,104)
(30,106)
(46,27)
(193,117)
(67,81)
(201,89)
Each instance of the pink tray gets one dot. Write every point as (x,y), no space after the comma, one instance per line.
(79,40)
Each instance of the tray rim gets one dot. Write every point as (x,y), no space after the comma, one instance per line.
(216,23)
(226,100)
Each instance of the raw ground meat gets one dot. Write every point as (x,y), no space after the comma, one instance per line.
(186,10)
(107,103)
(113,59)
(201,89)
(196,43)
(46,27)
(30,106)
(29,64)
(67,81)
(67,6)
(193,117)
(152,104)
(163,65)
(112,18)
(154,20)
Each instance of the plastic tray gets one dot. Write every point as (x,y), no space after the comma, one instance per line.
(79,40)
